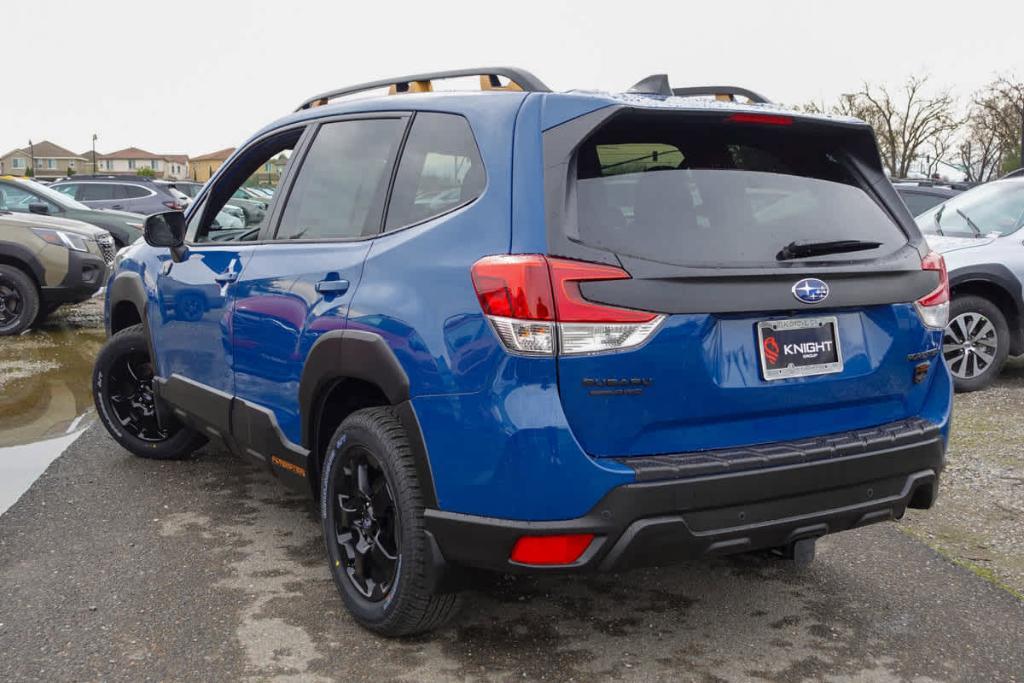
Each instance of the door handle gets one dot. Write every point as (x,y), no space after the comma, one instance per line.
(117,206)
(332,286)
(226,278)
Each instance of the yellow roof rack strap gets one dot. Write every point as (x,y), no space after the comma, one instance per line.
(403,87)
(491,82)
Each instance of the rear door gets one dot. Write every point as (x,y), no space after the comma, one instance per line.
(300,281)
(99,195)
(767,329)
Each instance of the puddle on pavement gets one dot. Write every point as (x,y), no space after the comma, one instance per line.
(45,398)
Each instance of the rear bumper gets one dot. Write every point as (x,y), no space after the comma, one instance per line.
(805,491)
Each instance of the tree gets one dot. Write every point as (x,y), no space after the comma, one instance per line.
(146,171)
(983,150)
(909,124)
(70,172)
(29,172)
(1001,106)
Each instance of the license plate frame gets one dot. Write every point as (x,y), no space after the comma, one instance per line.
(775,371)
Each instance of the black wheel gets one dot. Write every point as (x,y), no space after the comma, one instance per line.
(19,300)
(372,515)
(976,342)
(122,383)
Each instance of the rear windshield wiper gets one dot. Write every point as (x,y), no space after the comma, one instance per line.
(795,250)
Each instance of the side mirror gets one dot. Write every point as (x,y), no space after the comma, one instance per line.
(38,208)
(166,230)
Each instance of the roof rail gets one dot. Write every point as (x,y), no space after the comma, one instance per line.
(422,83)
(657,84)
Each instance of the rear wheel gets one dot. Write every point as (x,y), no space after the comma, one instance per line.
(372,515)
(976,342)
(122,383)
(19,300)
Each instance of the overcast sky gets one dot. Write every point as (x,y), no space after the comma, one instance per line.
(195,76)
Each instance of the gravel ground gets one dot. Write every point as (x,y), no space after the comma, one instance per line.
(978,520)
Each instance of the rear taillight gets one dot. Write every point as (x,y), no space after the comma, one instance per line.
(535,305)
(174,205)
(934,308)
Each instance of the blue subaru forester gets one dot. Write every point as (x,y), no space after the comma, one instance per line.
(528,331)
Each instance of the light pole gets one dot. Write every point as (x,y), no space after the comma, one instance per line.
(32,156)
(94,153)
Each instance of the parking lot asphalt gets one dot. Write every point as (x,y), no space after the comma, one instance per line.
(114,568)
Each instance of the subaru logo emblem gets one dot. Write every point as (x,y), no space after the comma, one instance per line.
(811,290)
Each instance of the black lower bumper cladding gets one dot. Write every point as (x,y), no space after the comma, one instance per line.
(686,506)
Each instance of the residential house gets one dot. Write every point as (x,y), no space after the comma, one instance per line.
(271,171)
(203,167)
(51,161)
(131,160)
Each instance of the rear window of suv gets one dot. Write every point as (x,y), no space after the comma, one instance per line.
(707,192)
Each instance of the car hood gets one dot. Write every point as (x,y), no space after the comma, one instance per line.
(32,220)
(944,245)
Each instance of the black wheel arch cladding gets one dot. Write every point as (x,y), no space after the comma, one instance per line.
(366,356)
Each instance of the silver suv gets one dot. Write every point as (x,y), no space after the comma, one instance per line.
(979,233)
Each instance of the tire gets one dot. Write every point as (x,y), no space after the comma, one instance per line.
(975,343)
(19,301)
(400,601)
(122,391)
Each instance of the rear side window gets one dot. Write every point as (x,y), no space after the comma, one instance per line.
(340,189)
(919,202)
(706,192)
(440,170)
(134,191)
(70,190)
(96,192)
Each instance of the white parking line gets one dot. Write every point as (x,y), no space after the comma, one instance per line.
(22,465)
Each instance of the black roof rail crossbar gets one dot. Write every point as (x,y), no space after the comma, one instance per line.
(657,84)
(522,78)
(700,90)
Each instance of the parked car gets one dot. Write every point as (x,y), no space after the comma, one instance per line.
(255,209)
(171,186)
(528,331)
(46,261)
(919,196)
(979,234)
(138,194)
(26,196)
(1019,173)
(189,188)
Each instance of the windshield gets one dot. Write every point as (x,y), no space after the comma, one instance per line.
(665,189)
(994,208)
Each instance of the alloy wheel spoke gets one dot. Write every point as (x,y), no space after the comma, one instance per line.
(984,354)
(987,331)
(390,555)
(959,330)
(363,478)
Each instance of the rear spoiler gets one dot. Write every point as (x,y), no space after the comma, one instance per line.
(657,84)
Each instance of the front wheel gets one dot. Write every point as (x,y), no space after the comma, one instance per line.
(19,300)
(122,386)
(372,515)
(976,342)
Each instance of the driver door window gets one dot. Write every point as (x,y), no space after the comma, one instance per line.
(229,214)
